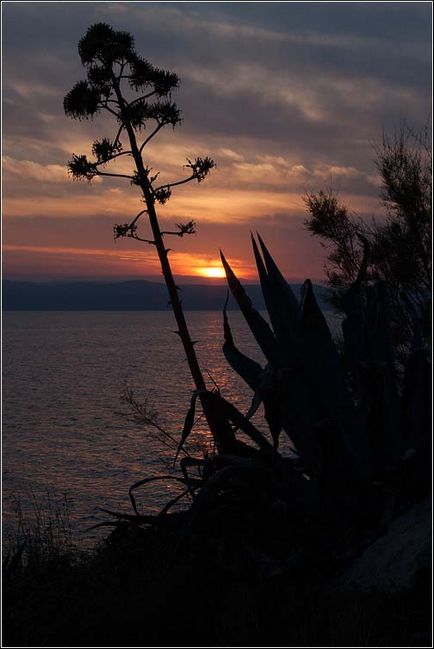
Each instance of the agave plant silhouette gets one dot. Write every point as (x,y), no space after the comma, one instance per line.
(361,446)
(352,428)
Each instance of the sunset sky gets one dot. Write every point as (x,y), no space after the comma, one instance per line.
(286,97)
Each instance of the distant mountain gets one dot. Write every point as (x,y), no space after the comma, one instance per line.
(137,295)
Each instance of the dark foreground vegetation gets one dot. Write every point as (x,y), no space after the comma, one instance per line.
(330,546)
(215,585)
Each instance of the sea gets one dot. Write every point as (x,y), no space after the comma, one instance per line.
(68,437)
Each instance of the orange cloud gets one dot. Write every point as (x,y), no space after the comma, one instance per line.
(127,262)
(28,169)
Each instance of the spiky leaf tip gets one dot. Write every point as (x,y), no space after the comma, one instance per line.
(82,101)
(162,195)
(164,81)
(105,149)
(103,44)
(141,72)
(164,113)
(99,77)
(81,169)
(124,230)
(200,167)
(186,228)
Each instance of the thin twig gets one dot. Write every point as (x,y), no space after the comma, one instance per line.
(179,182)
(154,132)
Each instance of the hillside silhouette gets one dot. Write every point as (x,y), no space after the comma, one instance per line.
(139,295)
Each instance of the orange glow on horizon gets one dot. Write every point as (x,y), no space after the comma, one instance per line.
(119,262)
(214,272)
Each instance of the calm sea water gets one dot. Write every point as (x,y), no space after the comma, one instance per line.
(63,431)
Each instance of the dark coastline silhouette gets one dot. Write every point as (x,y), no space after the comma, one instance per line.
(135,295)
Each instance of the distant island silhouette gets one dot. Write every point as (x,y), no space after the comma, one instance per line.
(137,295)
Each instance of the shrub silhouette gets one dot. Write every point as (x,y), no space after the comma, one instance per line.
(400,245)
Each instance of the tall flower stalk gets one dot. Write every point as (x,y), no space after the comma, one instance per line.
(139,97)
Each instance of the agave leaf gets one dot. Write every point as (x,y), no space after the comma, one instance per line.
(259,327)
(140,483)
(275,302)
(191,483)
(386,419)
(249,472)
(221,461)
(364,431)
(248,369)
(378,325)
(273,417)
(325,374)
(188,425)
(241,422)
(254,376)
(319,356)
(206,497)
(149,519)
(281,303)
(226,441)
(354,329)
(288,405)
(283,294)
(270,390)
(256,402)
(172,502)
(265,284)
(262,271)
(416,400)
(298,415)
(341,480)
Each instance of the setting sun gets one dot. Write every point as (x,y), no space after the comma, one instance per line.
(214,272)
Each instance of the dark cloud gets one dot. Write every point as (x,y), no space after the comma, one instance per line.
(366,66)
(379,19)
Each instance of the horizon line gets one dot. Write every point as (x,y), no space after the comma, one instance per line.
(187,279)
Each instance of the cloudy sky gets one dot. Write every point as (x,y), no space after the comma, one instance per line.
(286,97)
